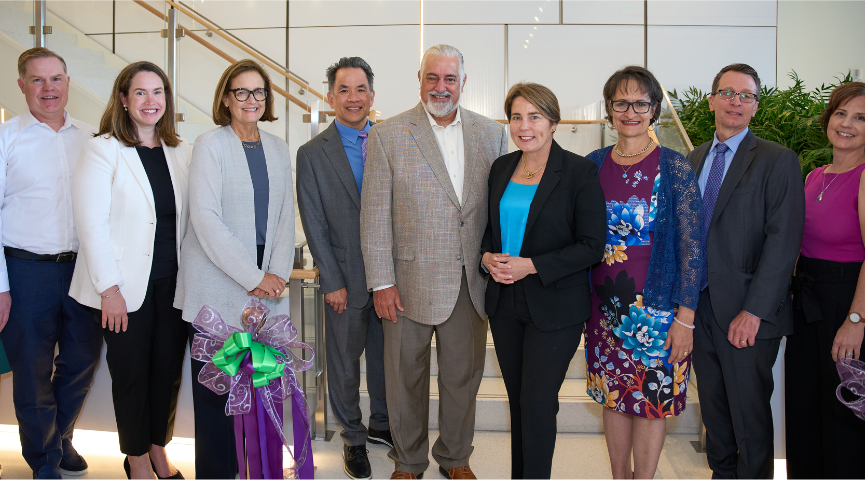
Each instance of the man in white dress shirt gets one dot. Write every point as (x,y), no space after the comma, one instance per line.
(38,151)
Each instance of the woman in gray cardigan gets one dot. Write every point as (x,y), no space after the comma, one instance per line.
(240,239)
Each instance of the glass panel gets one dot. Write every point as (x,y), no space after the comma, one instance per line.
(669,130)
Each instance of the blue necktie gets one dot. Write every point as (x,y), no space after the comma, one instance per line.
(710,196)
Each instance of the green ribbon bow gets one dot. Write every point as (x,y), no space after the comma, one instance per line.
(233,351)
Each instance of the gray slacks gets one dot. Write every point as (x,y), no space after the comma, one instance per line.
(461,350)
(348,334)
(735,386)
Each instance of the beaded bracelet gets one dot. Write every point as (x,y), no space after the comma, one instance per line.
(691,327)
(118,291)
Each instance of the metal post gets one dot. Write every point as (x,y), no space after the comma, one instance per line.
(314,121)
(173,33)
(320,431)
(39,30)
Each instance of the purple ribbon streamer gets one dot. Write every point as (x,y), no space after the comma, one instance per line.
(258,441)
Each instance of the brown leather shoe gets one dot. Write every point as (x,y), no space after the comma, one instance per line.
(459,472)
(406,475)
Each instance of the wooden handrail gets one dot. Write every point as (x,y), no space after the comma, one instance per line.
(305,274)
(189,33)
(213,28)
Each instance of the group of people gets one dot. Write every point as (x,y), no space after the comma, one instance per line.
(423,225)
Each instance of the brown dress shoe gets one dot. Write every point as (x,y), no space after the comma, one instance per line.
(459,472)
(406,475)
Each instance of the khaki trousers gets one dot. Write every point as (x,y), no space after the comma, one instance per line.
(460,348)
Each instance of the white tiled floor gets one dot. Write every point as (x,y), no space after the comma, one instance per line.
(577,456)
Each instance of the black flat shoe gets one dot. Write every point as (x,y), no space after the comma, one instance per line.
(177,475)
(126,467)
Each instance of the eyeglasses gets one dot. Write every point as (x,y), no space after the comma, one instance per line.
(622,106)
(728,95)
(241,94)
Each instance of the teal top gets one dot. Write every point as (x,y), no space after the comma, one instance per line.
(513,213)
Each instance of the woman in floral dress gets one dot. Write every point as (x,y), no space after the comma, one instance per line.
(639,338)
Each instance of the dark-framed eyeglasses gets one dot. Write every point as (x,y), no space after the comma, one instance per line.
(622,106)
(241,94)
(728,95)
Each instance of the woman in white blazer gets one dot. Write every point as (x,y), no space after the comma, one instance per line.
(241,235)
(130,201)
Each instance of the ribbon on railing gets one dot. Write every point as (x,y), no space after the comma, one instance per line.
(256,368)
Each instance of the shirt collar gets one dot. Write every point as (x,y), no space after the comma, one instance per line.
(434,124)
(732,143)
(348,133)
(28,120)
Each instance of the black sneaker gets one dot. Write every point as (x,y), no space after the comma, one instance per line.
(381,437)
(72,463)
(356,462)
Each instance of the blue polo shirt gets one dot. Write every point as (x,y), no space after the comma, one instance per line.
(352,143)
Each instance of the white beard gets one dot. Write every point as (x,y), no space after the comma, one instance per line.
(436,109)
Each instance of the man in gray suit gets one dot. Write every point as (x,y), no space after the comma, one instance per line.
(423,214)
(753,216)
(330,169)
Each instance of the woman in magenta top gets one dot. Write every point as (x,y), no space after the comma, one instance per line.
(824,438)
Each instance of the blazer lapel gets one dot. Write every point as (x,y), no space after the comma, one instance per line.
(700,158)
(545,188)
(474,169)
(423,135)
(335,152)
(130,155)
(497,191)
(741,161)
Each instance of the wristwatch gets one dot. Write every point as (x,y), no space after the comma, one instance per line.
(854,317)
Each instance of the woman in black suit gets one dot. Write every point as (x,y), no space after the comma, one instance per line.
(547,221)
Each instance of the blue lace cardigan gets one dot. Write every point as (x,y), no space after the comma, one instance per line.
(674,266)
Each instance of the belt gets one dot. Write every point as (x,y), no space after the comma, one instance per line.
(25,255)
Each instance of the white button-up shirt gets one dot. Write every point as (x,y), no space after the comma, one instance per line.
(36,166)
(450,140)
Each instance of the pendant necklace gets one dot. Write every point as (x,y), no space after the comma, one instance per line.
(823,182)
(529,174)
(619,153)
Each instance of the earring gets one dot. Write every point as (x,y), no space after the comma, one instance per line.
(124,108)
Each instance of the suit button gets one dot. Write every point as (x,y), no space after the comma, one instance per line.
(459,257)
(462,223)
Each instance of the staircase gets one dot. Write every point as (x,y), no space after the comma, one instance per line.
(92,67)
(578,413)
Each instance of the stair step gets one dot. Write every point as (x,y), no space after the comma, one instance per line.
(577,368)
(578,413)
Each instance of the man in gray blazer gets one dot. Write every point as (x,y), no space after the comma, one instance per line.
(423,214)
(753,216)
(330,170)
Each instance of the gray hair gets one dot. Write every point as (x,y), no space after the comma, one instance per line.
(349,62)
(447,51)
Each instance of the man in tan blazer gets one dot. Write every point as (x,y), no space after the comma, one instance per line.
(423,214)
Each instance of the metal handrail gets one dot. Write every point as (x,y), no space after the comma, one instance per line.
(241,45)
(189,33)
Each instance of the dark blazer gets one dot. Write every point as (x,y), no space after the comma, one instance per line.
(565,235)
(755,234)
(329,205)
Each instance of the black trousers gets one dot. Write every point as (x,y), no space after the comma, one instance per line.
(824,438)
(146,364)
(534,364)
(735,388)
(215,453)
